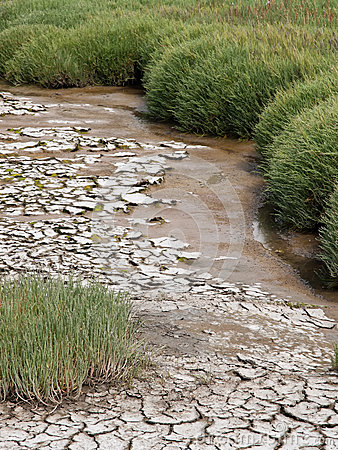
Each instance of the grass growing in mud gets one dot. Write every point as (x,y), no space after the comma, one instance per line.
(297,137)
(101,51)
(328,238)
(247,68)
(220,84)
(55,336)
(304,166)
(288,103)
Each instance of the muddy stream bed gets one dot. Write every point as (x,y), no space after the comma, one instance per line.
(87,186)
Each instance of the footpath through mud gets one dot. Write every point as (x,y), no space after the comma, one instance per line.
(243,348)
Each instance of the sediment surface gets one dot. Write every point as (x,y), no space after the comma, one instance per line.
(242,347)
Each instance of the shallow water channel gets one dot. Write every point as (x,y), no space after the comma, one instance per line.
(208,197)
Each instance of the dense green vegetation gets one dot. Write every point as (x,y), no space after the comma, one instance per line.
(248,68)
(303,167)
(288,103)
(49,349)
(328,234)
(221,85)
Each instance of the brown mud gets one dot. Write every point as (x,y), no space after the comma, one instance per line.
(116,112)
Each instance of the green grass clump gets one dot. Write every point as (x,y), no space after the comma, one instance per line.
(13,38)
(167,70)
(289,103)
(45,60)
(304,167)
(220,83)
(329,238)
(57,335)
(224,94)
(103,51)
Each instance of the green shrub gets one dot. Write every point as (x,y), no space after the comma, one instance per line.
(334,358)
(166,72)
(224,93)
(55,336)
(48,60)
(12,39)
(329,237)
(102,51)
(304,166)
(289,103)
(220,83)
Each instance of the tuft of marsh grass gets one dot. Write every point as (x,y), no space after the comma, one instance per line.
(220,83)
(165,74)
(45,60)
(329,238)
(289,103)
(56,336)
(13,38)
(102,51)
(304,167)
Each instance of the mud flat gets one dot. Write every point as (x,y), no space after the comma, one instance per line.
(243,348)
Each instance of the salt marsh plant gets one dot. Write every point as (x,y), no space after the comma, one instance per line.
(13,38)
(304,167)
(289,103)
(102,51)
(329,239)
(165,74)
(220,83)
(56,336)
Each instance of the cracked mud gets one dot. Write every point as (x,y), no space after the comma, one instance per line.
(237,366)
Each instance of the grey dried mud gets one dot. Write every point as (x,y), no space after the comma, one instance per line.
(238,364)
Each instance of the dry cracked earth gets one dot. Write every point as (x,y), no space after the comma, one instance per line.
(234,366)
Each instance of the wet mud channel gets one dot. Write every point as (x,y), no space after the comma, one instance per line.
(243,345)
